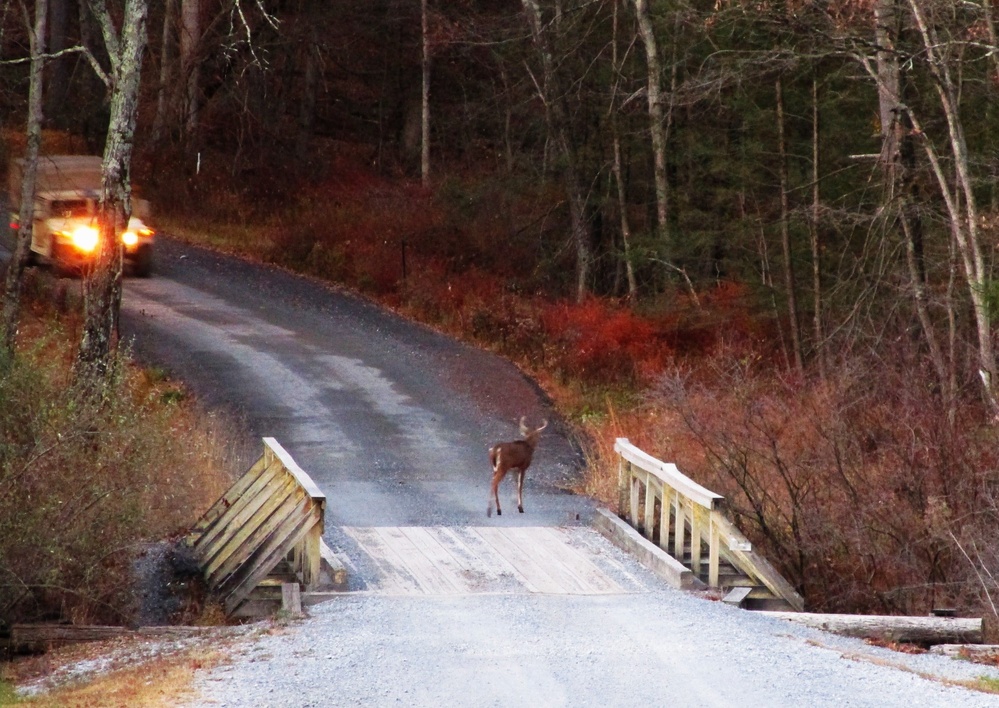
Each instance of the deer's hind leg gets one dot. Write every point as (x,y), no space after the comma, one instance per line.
(494,494)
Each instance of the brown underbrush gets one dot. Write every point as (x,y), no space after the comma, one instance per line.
(86,481)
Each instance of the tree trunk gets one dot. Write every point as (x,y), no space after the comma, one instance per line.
(553,95)
(816,237)
(307,105)
(917,630)
(57,80)
(897,162)
(190,38)
(102,283)
(425,102)
(657,122)
(622,199)
(22,248)
(785,234)
(961,202)
(167,58)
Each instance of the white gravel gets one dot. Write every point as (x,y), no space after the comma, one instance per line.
(656,648)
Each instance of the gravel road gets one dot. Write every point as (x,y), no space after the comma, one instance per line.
(660,648)
(392,421)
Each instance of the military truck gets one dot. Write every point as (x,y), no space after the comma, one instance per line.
(65,232)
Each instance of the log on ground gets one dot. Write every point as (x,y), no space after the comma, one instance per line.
(912,630)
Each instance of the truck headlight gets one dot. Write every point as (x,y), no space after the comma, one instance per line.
(84,238)
(129,238)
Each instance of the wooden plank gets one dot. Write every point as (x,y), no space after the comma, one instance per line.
(737,596)
(238,506)
(489,562)
(231,494)
(755,565)
(265,535)
(297,472)
(244,538)
(650,508)
(332,566)
(457,570)
(679,527)
(239,585)
(668,474)
(621,534)
(308,559)
(539,577)
(291,598)
(551,556)
(431,579)
(594,580)
(623,476)
(714,552)
(394,580)
(664,522)
(633,504)
(698,517)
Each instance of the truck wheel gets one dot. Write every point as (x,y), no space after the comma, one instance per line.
(143,265)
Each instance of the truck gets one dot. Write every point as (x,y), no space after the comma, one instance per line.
(65,232)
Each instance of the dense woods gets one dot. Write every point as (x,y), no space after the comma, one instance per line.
(762,233)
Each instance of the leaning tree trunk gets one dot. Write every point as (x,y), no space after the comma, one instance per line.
(22,248)
(897,162)
(961,202)
(102,283)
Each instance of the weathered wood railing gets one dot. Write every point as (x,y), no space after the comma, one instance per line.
(691,515)
(273,513)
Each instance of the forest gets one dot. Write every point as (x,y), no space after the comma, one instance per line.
(757,238)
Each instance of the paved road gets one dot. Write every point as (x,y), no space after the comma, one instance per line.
(451,608)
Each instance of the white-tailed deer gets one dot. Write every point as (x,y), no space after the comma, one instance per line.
(514,455)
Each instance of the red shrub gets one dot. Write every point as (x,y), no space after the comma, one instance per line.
(597,341)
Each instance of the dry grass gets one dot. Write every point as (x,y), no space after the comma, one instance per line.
(130,672)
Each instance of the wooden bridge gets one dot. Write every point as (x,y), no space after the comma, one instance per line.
(688,522)
(261,546)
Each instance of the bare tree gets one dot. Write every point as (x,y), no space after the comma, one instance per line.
(425,97)
(22,248)
(785,233)
(657,117)
(102,284)
(622,199)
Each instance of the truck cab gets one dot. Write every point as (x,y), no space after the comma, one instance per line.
(65,231)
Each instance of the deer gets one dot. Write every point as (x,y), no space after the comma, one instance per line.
(515,455)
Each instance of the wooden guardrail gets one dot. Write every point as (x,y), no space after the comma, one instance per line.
(274,514)
(690,519)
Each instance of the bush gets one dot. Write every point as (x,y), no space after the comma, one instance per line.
(85,481)
(855,488)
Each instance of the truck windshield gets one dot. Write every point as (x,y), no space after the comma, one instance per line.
(68,208)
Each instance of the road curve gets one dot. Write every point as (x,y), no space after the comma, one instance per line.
(390,418)
(392,421)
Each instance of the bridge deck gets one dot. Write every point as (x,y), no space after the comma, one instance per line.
(443,560)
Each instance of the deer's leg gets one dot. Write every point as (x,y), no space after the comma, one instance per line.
(521,473)
(494,494)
